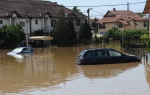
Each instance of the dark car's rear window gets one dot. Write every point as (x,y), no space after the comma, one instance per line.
(90,54)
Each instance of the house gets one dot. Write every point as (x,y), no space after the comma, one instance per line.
(121,19)
(147,11)
(34,14)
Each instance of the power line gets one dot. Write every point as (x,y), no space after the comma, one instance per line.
(109,5)
(96,11)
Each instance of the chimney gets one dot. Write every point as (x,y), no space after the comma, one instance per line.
(114,9)
(55,2)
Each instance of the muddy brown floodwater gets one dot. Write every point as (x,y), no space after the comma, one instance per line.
(53,71)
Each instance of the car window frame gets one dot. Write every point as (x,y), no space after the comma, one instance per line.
(115,51)
(106,53)
(90,56)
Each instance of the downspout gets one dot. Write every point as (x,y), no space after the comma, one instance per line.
(30,26)
(43,26)
(10,21)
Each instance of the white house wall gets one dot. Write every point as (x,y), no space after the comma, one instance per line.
(24,28)
(47,23)
(36,26)
(5,21)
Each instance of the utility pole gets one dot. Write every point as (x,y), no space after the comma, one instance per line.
(88,11)
(128,5)
(26,31)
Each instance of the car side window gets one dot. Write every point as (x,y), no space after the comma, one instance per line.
(101,53)
(114,53)
(90,54)
(26,50)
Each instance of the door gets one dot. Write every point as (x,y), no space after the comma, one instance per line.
(103,56)
(115,56)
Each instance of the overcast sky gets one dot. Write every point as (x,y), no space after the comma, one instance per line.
(83,5)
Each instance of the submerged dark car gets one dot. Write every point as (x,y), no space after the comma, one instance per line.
(104,55)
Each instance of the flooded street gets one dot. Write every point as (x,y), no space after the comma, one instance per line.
(53,71)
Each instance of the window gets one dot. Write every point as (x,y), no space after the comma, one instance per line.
(144,24)
(22,23)
(53,23)
(90,54)
(120,25)
(102,53)
(78,22)
(114,53)
(102,26)
(1,22)
(36,21)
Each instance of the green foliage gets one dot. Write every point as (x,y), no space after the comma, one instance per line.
(145,38)
(94,23)
(75,9)
(39,32)
(73,36)
(53,42)
(85,35)
(140,14)
(147,49)
(114,33)
(64,33)
(12,35)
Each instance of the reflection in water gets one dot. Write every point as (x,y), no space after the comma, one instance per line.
(52,71)
(105,70)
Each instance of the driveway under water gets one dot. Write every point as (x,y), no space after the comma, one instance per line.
(53,71)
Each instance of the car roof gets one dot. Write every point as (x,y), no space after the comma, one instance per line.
(100,49)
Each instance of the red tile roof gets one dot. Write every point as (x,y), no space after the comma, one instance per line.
(123,16)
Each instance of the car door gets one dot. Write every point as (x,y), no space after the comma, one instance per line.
(115,56)
(90,57)
(103,56)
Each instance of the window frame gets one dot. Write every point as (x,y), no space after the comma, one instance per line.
(93,51)
(102,26)
(22,23)
(102,55)
(78,22)
(36,21)
(1,21)
(144,23)
(113,55)
(53,23)
(120,25)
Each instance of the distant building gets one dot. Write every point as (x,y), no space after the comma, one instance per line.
(121,19)
(147,11)
(36,14)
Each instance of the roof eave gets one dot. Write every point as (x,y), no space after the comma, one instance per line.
(147,7)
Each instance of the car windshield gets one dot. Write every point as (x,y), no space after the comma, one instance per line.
(17,50)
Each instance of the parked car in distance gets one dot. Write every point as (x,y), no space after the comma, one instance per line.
(21,50)
(104,55)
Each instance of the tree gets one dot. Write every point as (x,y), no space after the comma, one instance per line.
(75,9)
(64,32)
(94,22)
(85,35)
(39,32)
(142,14)
(73,36)
(12,35)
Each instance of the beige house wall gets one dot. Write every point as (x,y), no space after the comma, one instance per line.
(141,25)
(130,27)
(107,27)
(149,22)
